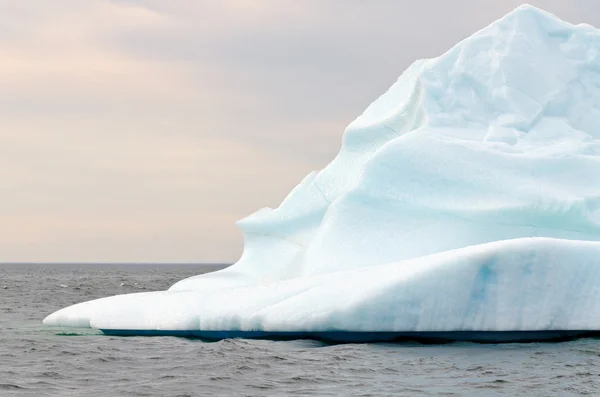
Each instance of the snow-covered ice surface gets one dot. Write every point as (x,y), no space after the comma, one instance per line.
(465,198)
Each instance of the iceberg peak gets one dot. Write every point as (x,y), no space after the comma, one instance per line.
(525,67)
(528,10)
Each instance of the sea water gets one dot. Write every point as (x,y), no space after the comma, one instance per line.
(42,361)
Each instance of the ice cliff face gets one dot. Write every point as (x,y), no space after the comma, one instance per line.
(497,139)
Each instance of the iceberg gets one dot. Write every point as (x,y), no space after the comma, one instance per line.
(464,204)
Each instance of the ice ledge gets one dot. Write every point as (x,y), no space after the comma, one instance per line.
(527,284)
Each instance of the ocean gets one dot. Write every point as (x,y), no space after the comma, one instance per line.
(40,361)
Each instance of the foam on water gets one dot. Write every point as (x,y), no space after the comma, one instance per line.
(466,198)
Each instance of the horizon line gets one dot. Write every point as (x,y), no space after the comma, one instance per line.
(119,263)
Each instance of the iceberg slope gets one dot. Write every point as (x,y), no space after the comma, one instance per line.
(466,198)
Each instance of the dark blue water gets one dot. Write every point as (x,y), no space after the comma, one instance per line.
(40,361)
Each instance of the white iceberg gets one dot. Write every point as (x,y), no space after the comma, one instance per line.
(464,199)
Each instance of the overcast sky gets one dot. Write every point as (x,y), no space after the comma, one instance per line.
(142,130)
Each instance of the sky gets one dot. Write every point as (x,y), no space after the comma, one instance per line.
(141,130)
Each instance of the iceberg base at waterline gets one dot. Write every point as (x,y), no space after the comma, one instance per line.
(464,204)
(372,337)
(498,291)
